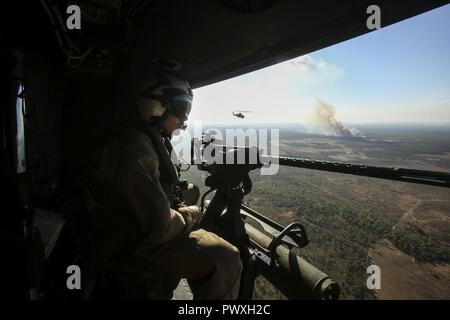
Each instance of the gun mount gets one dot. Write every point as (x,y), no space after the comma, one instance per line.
(261,254)
(271,254)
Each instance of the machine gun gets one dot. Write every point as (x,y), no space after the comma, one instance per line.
(261,254)
(264,253)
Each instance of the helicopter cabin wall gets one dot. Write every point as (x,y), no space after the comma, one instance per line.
(86,114)
(66,111)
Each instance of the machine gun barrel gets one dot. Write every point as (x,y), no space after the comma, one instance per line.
(434,178)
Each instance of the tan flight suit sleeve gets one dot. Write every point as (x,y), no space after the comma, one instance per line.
(139,183)
(132,166)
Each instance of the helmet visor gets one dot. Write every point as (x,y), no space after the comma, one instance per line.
(181,106)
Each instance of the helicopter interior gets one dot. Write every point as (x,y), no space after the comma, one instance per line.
(61,88)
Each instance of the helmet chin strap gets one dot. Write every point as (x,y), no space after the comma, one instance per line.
(164,132)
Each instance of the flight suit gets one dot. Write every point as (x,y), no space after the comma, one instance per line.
(149,228)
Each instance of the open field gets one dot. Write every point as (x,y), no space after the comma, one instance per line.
(403,277)
(353,222)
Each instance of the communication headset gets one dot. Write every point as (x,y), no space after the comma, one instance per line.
(167,92)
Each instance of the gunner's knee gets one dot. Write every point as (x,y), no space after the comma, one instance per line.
(231,261)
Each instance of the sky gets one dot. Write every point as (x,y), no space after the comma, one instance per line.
(400,73)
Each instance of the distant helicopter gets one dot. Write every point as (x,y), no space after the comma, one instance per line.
(240,114)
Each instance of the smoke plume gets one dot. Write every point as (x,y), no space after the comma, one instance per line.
(324,115)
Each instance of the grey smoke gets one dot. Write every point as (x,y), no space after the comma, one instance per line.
(324,115)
